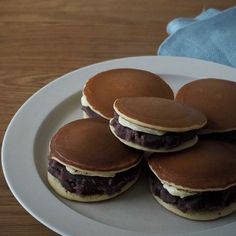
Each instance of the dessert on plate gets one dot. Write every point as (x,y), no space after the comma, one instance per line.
(216,98)
(198,183)
(100,91)
(87,163)
(156,124)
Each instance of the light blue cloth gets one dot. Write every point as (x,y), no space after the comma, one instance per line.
(209,36)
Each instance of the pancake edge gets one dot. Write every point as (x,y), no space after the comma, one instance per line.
(156,127)
(59,189)
(196,190)
(93,172)
(181,147)
(200,216)
(94,110)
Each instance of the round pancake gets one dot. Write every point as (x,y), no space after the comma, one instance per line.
(56,185)
(216,98)
(122,83)
(207,166)
(183,146)
(88,146)
(159,113)
(198,215)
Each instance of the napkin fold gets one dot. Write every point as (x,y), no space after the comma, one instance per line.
(209,36)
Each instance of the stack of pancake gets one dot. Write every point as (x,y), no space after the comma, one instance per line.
(128,112)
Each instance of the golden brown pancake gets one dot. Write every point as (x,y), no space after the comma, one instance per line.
(159,113)
(87,163)
(155,124)
(216,98)
(213,161)
(89,144)
(198,183)
(103,89)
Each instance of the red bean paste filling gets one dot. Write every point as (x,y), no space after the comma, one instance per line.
(90,185)
(90,113)
(168,141)
(228,136)
(205,201)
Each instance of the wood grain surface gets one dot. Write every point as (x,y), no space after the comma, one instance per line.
(41,40)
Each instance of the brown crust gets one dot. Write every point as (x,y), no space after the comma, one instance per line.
(207,165)
(104,88)
(89,144)
(215,98)
(159,113)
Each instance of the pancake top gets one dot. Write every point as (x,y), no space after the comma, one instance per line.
(89,145)
(215,98)
(104,88)
(207,165)
(159,113)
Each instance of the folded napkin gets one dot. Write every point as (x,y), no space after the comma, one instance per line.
(209,36)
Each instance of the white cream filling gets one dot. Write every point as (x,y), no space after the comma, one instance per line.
(89,173)
(84,101)
(77,171)
(177,192)
(174,191)
(135,127)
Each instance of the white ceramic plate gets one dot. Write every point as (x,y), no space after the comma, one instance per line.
(25,150)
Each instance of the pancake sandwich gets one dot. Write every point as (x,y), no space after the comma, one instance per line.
(100,91)
(156,124)
(87,163)
(198,183)
(216,98)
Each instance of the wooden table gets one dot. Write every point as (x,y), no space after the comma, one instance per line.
(41,40)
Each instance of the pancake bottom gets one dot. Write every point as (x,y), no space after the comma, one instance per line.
(202,206)
(182,146)
(56,185)
(201,215)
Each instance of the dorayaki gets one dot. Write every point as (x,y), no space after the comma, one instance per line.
(216,98)
(198,183)
(100,91)
(87,163)
(156,124)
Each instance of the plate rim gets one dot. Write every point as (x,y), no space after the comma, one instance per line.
(204,68)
